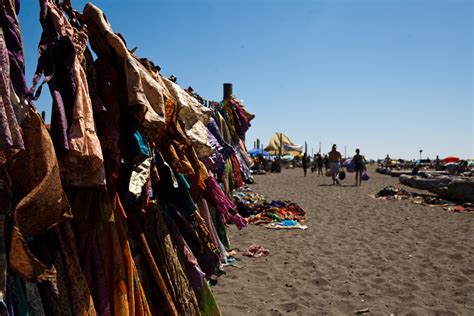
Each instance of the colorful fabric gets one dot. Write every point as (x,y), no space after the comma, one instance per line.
(194,116)
(207,301)
(225,207)
(72,124)
(255,251)
(11,29)
(146,99)
(11,141)
(166,257)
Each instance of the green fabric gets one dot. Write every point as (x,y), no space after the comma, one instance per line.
(230,174)
(207,303)
(220,227)
(181,197)
(21,307)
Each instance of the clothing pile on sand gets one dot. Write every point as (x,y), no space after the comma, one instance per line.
(396,193)
(246,201)
(433,200)
(275,214)
(392,193)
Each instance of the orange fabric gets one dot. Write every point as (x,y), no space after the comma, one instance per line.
(137,302)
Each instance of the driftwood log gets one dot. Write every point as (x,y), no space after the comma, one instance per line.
(453,188)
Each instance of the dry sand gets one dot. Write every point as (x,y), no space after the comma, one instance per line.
(392,257)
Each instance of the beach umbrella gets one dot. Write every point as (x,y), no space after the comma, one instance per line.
(258,151)
(450,159)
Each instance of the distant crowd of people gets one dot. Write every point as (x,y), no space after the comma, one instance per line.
(332,162)
(458,166)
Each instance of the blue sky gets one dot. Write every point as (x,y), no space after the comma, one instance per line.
(387,76)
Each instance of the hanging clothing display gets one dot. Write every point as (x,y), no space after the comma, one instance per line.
(121,206)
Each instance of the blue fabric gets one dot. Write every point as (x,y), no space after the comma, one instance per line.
(288,222)
(135,142)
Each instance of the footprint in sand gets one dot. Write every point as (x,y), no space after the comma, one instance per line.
(289,307)
(456,257)
(320,282)
(468,272)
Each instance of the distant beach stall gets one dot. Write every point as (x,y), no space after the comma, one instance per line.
(281,144)
(451,159)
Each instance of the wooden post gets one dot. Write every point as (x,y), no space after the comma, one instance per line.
(43,116)
(280,149)
(227,90)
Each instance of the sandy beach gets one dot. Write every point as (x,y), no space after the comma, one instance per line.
(358,253)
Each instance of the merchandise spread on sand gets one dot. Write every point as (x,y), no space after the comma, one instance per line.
(277,214)
(396,193)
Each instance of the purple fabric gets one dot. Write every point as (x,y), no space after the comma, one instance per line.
(11,31)
(11,140)
(244,169)
(56,61)
(208,260)
(277,204)
(215,163)
(92,266)
(193,271)
(206,215)
(225,207)
(226,150)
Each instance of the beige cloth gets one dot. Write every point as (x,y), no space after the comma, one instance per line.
(224,128)
(83,163)
(146,99)
(139,177)
(42,202)
(194,117)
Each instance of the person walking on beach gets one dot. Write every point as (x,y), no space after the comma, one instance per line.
(359,166)
(335,161)
(326,162)
(388,161)
(305,164)
(319,164)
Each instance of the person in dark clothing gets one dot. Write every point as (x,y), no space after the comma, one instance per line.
(326,162)
(359,167)
(319,164)
(305,163)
